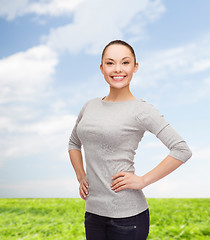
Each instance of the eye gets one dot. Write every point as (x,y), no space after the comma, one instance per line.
(126,62)
(109,63)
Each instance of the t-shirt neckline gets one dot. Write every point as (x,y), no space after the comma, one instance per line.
(117,102)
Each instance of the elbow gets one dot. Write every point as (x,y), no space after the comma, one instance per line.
(74,145)
(182,152)
(188,154)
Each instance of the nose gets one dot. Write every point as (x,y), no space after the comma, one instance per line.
(117,68)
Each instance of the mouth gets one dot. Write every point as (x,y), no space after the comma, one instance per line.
(118,78)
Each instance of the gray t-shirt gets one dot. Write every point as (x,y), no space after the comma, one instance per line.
(110,133)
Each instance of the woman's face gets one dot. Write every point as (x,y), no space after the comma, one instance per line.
(118,66)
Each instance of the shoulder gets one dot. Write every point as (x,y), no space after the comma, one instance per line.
(150,117)
(89,103)
(144,107)
(147,112)
(92,100)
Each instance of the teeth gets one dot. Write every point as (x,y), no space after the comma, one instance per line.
(118,77)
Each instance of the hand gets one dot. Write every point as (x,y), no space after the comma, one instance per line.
(83,188)
(123,180)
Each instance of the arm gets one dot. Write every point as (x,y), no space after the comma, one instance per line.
(130,180)
(168,165)
(154,122)
(75,154)
(77,163)
(179,154)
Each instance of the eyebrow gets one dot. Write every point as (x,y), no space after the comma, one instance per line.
(113,59)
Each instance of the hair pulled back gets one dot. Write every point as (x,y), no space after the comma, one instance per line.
(119,42)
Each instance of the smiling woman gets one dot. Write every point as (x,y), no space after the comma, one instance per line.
(110,129)
(118,65)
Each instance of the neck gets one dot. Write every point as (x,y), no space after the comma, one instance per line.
(121,94)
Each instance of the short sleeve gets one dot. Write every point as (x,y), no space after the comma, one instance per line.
(74,141)
(153,121)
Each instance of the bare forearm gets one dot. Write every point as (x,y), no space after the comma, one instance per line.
(123,180)
(77,163)
(168,165)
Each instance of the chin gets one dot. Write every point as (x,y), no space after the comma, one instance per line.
(119,85)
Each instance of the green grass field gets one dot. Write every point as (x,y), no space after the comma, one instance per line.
(61,218)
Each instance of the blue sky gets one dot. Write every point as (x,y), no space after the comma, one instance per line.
(50,54)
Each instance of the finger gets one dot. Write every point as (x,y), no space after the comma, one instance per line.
(86,183)
(119,174)
(120,188)
(118,180)
(119,184)
(82,197)
(84,188)
(82,193)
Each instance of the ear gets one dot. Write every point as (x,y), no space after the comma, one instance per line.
(101,68)
(136,67)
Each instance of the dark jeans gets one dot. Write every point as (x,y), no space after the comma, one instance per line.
(106,228)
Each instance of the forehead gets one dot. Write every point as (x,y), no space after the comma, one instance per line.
(117,51)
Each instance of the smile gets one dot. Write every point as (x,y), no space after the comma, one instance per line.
(118,78)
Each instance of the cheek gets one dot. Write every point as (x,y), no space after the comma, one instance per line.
(107,72)
(130,70)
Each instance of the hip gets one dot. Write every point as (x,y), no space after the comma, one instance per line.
(132,228)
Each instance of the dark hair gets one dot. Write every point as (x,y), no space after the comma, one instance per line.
(120,42)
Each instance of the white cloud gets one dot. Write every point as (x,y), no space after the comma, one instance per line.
(199,92)
(202,154)
(25,74)
(176,188)
(160,65)
(25,81)
(61,188)
(50,125)
(11,9)
(46,135)
(104,21)
(53,7)
(180,75)
(189,180)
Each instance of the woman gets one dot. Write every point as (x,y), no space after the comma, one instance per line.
(110,130)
